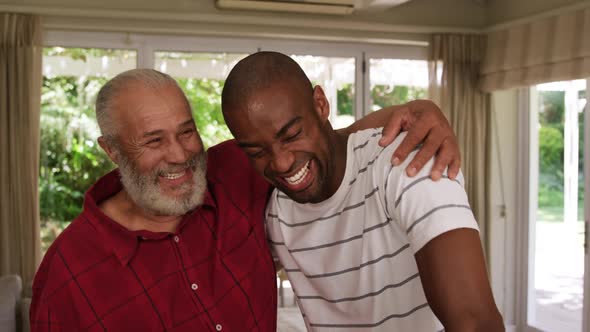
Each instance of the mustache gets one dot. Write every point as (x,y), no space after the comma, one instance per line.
(176,168)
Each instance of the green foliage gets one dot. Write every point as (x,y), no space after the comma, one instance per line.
(551,149)
(70,159)
(386,95)
(382,96)
(551,153)
(552,109)
(84,53)
(581,149)
(204,96)
(345,98)
(551,159)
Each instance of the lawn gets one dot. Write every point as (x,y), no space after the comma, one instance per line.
(555,213)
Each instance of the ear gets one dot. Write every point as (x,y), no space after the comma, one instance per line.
(108,149)
(320,102)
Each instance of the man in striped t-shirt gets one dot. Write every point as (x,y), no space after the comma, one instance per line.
(364,245)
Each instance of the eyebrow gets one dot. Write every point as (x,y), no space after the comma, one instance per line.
(159,131)
(280,133)
(286,127)
(187,122)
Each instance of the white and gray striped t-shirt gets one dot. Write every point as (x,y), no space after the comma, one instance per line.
(350,258)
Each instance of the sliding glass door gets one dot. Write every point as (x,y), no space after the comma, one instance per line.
(559,201)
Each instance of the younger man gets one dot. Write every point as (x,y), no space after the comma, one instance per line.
(365,246)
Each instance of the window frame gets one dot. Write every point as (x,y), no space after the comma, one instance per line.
(147,44)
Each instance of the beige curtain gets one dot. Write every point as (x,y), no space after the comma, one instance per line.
(20,88)
(455,61)
(555,48)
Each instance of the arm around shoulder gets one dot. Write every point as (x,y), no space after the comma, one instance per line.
(454,277)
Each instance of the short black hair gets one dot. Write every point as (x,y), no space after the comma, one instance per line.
(259,71)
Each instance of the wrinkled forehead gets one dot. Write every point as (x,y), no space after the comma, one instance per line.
(138,103)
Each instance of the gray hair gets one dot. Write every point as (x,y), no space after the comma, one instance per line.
(112,89)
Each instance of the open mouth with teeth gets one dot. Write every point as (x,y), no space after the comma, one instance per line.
(301,179)
(173,179)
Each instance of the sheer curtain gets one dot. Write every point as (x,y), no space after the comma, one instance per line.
(20,88)
(454,62)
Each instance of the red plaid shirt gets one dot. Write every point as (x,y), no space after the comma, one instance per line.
(214,274)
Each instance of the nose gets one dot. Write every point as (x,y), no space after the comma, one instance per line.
(282,161)
(176,154)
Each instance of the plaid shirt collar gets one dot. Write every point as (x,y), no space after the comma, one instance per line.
(120,239)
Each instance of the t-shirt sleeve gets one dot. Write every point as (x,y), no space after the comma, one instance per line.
(424,209)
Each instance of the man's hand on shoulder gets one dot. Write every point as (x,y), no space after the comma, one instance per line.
(454,277)
(426,124)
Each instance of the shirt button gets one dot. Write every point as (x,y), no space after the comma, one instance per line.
(176,239)
(194,287)
(218,327)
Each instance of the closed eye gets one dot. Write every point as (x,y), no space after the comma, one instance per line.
(256,154)
(293,137)
(153,141)
(188,132)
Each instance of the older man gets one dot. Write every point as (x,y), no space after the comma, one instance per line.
(365,246)
(161,245)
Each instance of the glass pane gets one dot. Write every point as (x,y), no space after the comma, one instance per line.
(336,77)
(201,76)
(557,299)
(396,81)
(71,160)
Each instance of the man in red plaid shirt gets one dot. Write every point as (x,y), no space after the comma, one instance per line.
(173,240)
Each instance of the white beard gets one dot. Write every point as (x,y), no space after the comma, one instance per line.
(145,191)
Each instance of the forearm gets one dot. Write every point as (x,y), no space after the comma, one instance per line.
(477,323)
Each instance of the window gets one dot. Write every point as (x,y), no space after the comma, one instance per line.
(336,76)
(556,227)
(201,76)
(397,81)
(71,159)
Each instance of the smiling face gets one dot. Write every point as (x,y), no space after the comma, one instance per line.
(158,149)
(286,134)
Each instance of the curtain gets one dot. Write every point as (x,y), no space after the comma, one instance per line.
(555,48)
(20,88)
(454,64)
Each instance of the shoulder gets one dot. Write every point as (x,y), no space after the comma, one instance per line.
(369,156)
(229,161)
(56,267)
(226,149)
(364,144)
(229,167)
(225,157)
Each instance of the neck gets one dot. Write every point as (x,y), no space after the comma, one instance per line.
(339,152)
(124,211)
